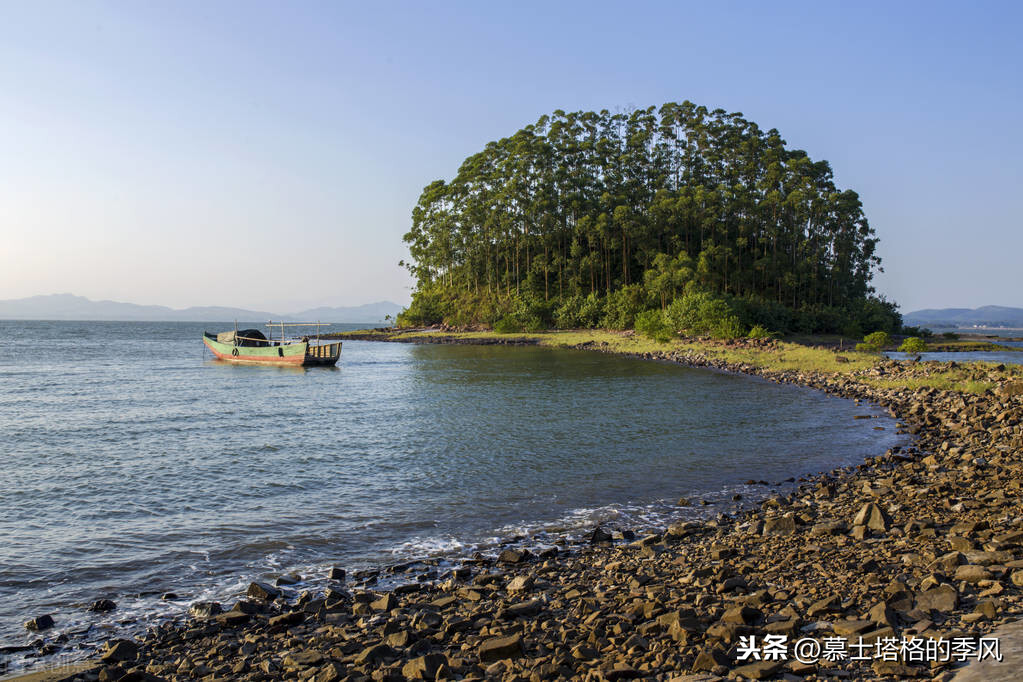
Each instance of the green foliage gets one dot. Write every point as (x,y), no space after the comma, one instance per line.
(509,324)
(878,338)
(758,332)
(951,336)
(580,206)
(913,344)
(622,306)
(579,312)
(650,323)
(873,343)
(699,312)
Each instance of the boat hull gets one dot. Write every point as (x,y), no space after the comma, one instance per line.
(290,354)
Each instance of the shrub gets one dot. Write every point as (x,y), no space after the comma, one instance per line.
(879,339)
(951,336)
(727,328)
(698,312)
(913,344)
(873,343)
(758,332)
(650,323)
(622,306)
(509,324)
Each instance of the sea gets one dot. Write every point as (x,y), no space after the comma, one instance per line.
(137,468)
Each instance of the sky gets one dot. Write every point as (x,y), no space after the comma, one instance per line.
(268,155)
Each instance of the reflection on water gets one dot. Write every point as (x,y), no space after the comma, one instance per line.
(132,465)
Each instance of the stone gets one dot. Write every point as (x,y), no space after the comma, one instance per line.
(205,609)
(873,517)
(102,606)
(302,659)
(600,535)
(331,672)
(521,610)
(233,618)
(741,615)
(290,579)
(780,525)
(942,598)
(522,583)
(513,556)
(120,650)
(761,670)
(263,592)
(336,574)
(972,573)
(39,623)
(498,648)
(375,654)
(288,619)
(424,667)
(845,628)
(830,604)
(387,602)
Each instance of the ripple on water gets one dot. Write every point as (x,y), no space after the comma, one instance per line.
(156,471)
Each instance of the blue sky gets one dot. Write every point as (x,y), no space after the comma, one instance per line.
(149,149)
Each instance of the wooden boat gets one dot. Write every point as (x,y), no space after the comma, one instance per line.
(252,347)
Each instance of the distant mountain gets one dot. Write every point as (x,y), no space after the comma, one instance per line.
(70,307)
(986,316)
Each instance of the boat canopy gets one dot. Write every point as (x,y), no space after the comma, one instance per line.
(244,337)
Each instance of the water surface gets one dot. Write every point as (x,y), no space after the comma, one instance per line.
(132,465)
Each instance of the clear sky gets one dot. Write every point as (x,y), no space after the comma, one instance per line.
(268,154)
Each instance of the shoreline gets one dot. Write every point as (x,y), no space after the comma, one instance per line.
(676,602)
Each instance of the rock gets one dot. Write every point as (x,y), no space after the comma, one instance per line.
(331,672)
(522,583)
(39,623)
(761,670)
(830,604)
(233,619)
(873,517)
(513,556)
(302,659)
(375,654)
(741,615)
(102,606)
(600,535)
(942,598)
(263,592)
(288,619)
(521,610)
(120,650)
(972,573)
(845,628)
(336,574)
(387,602)
(285,580)
(424,667)
(709,659)
(828,528)
(498,648)
(780,525)
(205,609)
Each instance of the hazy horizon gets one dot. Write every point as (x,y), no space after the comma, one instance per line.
(263,156)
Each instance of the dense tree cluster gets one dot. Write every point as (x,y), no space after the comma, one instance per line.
(582,214)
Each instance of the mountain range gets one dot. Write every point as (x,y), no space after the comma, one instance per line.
(986,316)
(70,307)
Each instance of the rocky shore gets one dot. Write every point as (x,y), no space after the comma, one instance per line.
(921,542)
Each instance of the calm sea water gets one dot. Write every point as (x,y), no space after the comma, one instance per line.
(1006,357)
(132,464)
